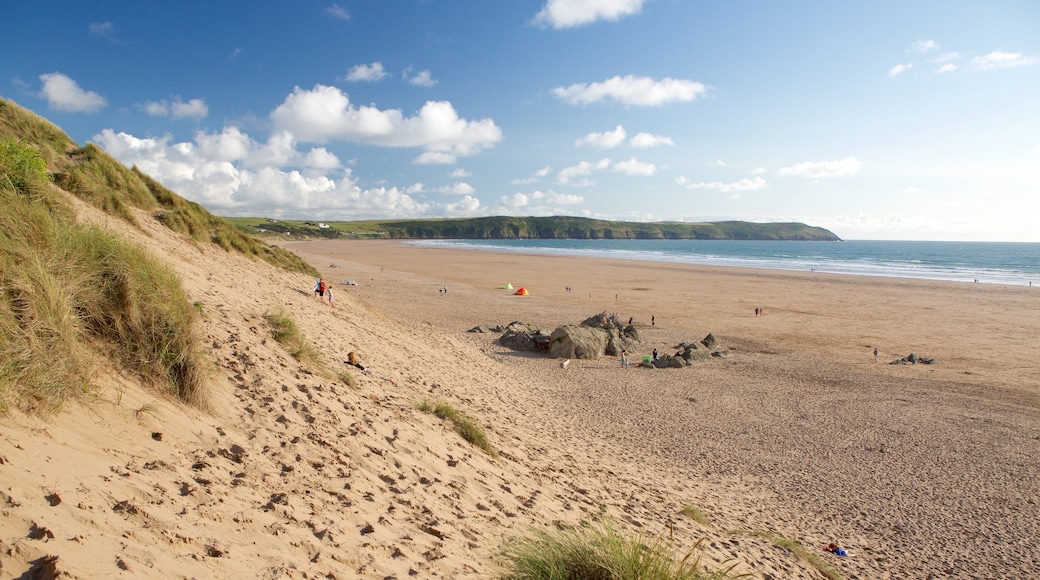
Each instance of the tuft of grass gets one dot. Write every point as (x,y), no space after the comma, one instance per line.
(601,553)
(287,334)
(347,379)
(145,410)
(66,289)
(808,555)
(695,513)
(101,180)
(463,425)
(21,124)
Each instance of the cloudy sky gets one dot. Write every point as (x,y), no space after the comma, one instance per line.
(878,120)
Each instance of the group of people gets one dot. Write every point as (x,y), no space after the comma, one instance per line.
(323,290)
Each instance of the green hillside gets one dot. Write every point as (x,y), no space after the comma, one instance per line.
(555,227)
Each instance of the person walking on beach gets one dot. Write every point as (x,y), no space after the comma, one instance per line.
(624,359)
(875,354)
(652,320)
(655,354)
(329,292)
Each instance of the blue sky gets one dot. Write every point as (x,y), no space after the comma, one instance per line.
(877,120)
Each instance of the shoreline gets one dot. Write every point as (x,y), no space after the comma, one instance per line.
(798,430)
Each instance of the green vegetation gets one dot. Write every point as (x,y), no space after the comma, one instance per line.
(67,290)
(462,424)
(101,180)
(555,227)
(595,553)
(814,559)
(695,514)
(287,334)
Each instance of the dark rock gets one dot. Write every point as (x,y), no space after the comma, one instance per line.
(709,341)
(582,342)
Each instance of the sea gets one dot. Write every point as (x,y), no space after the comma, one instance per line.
(1008,263)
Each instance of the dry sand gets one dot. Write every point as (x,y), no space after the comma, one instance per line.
(919,470)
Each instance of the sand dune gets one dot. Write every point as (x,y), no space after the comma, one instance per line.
(918,470)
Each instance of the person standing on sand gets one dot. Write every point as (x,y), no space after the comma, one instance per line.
(624,359)
(652,320)
(317,286)
(875,354)
(329,292)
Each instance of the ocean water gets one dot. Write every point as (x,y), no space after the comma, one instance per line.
(1010,263)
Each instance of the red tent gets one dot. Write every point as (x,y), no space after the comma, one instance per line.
(522,292)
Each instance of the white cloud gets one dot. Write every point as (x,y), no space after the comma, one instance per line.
(367,73)
(948,67)
(816,170)
(570,13)
(457,188)
(924,46)
(583,169)
(422,78)
(632,90)
(193,109)
(742,185)
(337,11)
(605,140)
(229,172)
(102,29)
(633,167)
(536,177)
(998,59)
(539,202)
(899,69)
(758,171)
(326,113)
(648,140)
(64,94)
(460,173)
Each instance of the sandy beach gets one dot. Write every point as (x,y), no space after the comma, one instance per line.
(922,470)
(303,469)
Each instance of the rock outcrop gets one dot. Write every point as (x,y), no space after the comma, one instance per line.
(583,342)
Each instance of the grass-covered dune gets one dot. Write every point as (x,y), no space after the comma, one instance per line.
(69,291)
(554,227)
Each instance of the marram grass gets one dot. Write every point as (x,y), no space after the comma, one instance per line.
(463,425)
(600,552)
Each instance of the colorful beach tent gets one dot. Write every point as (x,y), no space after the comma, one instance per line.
(522,292)
(506,286)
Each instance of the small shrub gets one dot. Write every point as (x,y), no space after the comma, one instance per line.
(347,379)
(463,425)
(287,334)
(814,559)
(695,514)
(599,552)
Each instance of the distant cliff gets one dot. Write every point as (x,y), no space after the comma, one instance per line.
(555,227)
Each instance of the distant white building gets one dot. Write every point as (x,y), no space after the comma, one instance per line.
(322,225)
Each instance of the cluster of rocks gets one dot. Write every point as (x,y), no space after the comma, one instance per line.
(597,336)
(912,359)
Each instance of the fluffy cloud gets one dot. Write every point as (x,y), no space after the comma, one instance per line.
(633,167)
(632,90)
(817,170)
(998,59)
(538,203)
(459,173)
(64,94)
(457,188)
(193,109)
(102,29)
(337,11)
(368,73)
(570,13)
(758,171)
(605,140)
(326,114)
(947,68)
(567,175)
(232,174)
(899,69)
(536,177)
(923,46)
(742,185)
(422,78)
(647,140)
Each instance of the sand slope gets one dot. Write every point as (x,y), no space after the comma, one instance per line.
(295,474)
